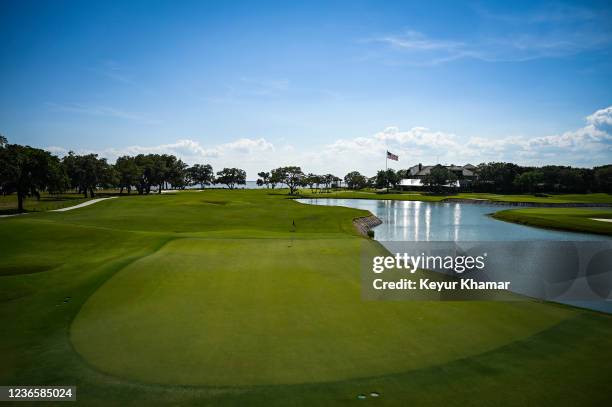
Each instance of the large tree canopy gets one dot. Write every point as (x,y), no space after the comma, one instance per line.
(438,178)
(354,180)
(27,171)
(88,172)
(200,174)
(264,178)
(387,178)
(231,177)
(292,176)
(128,173)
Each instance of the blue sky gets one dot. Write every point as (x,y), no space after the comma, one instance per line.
(328,86)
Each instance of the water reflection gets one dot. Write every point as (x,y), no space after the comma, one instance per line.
(429,221)
(457,220)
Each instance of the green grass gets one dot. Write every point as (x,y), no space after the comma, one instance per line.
(47,202)
(557,198)
(419,196)
(215,298)
(572,219)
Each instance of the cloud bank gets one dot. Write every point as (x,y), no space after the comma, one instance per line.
(587,146)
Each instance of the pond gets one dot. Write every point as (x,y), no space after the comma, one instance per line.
(553,265)
(435,221)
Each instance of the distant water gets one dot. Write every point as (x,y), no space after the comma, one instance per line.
(249,185)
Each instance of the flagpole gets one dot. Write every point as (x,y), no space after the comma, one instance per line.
(386,169)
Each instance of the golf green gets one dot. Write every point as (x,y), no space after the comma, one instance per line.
(275,311)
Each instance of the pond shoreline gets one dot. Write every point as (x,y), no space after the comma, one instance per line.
(528,204)
(475,201)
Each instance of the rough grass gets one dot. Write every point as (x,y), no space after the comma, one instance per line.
(572,219)
(167,299)
(47,202)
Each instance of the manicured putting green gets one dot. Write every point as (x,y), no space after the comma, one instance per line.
(235,312)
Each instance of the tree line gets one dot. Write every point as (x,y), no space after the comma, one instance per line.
(498,177)
(26,171)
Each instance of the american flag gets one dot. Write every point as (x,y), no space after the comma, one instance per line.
(392,156)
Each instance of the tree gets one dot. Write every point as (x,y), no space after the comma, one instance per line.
(354,180)
(529,181)
(336,182)
(231,177)
(27,171)
(200,174)
(603,178)
(128,173)
(144,163)
(402,174)
(327,181)
(318,181)
(438,177)
(497,176)
(311,180)
(386,178)
(174,173)
(292,176)
(3,141)
(572,180)
(276,177)
(264,177)
(87,172)
(159,171)
(154,171)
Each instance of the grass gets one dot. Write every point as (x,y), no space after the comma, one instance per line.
(216,298)
(572,219)
(556,198)
(598,198)
(47,202)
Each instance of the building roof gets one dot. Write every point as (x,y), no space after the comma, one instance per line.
(416,182)
(420,170)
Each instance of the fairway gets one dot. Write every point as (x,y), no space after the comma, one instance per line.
(247,297)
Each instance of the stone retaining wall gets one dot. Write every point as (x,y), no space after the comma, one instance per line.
(366,223)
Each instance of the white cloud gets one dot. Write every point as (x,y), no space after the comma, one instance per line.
(601,119)
(247,146)
(587,146)
(251,154)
